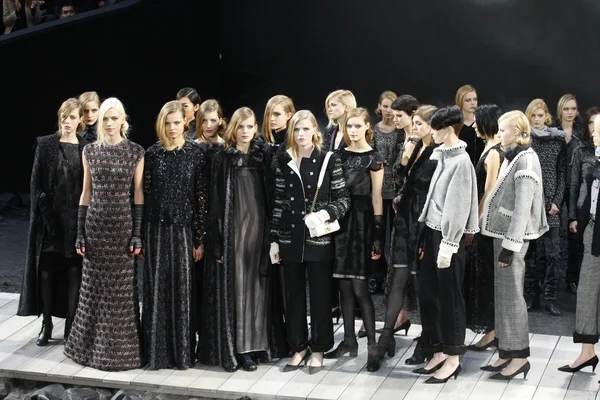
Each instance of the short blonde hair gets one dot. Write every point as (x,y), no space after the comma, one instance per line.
(66,108)
(279,100)
(87,97)
(534,105)
(240,115)
(561,103)
(462,91)
(169,108)
(425,111)
(360,113)
(345,97)
(301,116)
(208,106)
(111,102)
(521,122)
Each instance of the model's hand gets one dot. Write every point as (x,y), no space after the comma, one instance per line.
(396,202)
(80,245)
(505,258)
(274,253)
(375,256)
(220,260)
(421,253)
(135,245)
(554,210)
(443,261)
(198,253)
(469,239)
(573,226)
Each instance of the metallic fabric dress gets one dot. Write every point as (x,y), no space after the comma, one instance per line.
(106,329)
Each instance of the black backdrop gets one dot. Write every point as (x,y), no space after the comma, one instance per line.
(243,52)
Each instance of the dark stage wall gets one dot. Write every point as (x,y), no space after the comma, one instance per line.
(143,51)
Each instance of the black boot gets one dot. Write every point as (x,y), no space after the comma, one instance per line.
(247,362)
(372,358)
(387,343)
(346,346)
(533,302)
(45,333)
(553,309)
(420,355)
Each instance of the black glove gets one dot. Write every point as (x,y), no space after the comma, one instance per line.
(46,214)
(80,240)
(506,256)
(138,218)
(378,234)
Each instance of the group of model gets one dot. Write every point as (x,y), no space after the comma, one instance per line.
(231,223)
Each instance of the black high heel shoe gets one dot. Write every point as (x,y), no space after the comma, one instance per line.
(45,334)
(420,354)
(523,370)
(424,371)
(592,362)
(373,361)
(343,348)
(313,370)
(491,368)
(493,342)
(386,343)
(405,326)
(336,314)
(454,375)
(292,367)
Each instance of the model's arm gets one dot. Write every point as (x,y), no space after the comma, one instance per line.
(138,183)
(8,17)
(574,189)
(340,197)
(561,177)
(378,224)
(492,168)
(86,192)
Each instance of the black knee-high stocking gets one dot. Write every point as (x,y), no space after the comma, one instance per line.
(47,291)
(73,291)
(367,308)
(395,299)
(347,301)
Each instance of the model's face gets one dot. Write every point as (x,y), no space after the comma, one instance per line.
(189,108)
(303,133)
(356,128)
(508,133)
(596,137)
(470,102)
(174,126)
(246,130)
(569,111)
(90,112)
(385,108)
(210,124)
(420,128)
(440,136)
(591,126)
(279,118)
(112,122)
(401,119)
(538,118)
(336,109)
(70,122)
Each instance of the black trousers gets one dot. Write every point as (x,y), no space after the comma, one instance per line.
(443,314)
(575,257)
(319,282)
(543,265)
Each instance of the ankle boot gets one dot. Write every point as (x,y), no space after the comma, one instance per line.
(346,346)
(372,358)
(387,343)
(420,355)
(45,333)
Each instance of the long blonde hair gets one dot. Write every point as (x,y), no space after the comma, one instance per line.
(345,97)
(161,131)
(279,100)
(462,91)
(240,115)
(302,115)
(111,102)
(207,107)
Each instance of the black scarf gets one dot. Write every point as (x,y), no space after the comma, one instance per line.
(510,154)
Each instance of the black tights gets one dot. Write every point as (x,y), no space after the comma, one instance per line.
(352,290)
(71,270)
(395,299)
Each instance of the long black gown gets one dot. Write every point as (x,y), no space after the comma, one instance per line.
(479,272)
(175,190)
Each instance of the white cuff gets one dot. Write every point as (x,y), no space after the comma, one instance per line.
(511,245)
(448,247)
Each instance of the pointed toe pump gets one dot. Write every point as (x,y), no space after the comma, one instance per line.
(454,375)
(592,362)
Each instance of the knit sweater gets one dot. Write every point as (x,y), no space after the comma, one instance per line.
(550,146)
(451,203)
(514,210)
(581,166)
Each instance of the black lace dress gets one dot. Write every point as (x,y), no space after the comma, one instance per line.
(175,197)
(354,240)
(479,272)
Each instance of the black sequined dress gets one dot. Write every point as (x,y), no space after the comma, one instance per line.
(479,271)
(106,329)
(354,240)
(175,188)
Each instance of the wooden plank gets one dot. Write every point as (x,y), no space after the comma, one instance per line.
(10,308)
(14,324)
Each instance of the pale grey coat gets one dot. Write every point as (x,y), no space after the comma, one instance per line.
(514,211)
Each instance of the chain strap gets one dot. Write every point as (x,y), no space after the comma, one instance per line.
(312,208)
